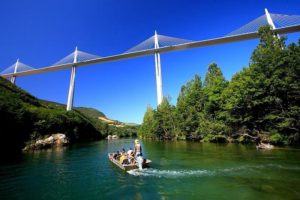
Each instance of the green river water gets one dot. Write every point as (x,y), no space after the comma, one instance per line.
(180,170)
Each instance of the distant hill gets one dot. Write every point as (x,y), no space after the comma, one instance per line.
(132,124)
(90,112)
(94,114)
(117,123)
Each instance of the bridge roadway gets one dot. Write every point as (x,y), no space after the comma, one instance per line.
(189,45)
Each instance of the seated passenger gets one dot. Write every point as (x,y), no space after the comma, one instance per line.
(123,158)
(123,151)
(117,155)
(130,155)
(129,151)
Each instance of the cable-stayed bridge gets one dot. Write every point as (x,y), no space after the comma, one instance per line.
(280,24)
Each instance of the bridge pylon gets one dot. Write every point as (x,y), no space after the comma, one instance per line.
(158,71)
(72,82)
(270,21)
(13,78)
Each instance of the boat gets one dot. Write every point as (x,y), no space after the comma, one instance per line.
(264,146)
(128,166)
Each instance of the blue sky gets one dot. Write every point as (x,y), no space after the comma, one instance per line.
(42,32)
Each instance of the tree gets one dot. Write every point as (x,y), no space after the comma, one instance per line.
(211,122)
(265,96)
(189,105)
(148,127)
(214,85)
(164,117)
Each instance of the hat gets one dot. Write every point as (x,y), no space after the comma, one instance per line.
(136,141)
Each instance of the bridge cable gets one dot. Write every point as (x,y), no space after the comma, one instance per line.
(81,57)
(21,67)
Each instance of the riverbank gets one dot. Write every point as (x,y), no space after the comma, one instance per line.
(238,138)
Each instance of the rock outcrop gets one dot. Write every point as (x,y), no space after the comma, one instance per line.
(55,140)
(112,137)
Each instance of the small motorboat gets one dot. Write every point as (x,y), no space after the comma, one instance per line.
(264,146)
(126,166)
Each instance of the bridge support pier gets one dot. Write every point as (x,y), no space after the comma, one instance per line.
(158,71)
(13,78)
(72,83)
(71,89)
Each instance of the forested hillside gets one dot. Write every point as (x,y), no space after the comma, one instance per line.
(24,118)
(259,103)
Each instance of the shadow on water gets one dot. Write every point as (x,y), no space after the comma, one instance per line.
(11,157)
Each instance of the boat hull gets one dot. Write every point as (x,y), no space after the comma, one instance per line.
(127,167)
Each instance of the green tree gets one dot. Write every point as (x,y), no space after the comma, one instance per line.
(189,105)
(265,96)
(164,118)
(211,120)
(148,127)
(214,85)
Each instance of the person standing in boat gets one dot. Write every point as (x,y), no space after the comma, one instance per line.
(137,148)
(138,154)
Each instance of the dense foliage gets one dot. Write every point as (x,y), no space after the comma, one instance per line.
(24,118)
(260,103)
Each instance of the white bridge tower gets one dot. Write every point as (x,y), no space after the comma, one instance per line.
(158,71)
(72,82)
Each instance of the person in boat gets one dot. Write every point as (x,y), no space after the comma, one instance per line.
(123,156)
(123,151)
(137,148)
(130,151)
(130,155)
(117,155)
(139,160)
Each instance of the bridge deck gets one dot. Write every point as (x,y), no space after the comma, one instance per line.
(202,43)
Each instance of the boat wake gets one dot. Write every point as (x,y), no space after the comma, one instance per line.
(150,172)
(169,173)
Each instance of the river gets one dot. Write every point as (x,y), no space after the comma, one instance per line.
(180,170)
